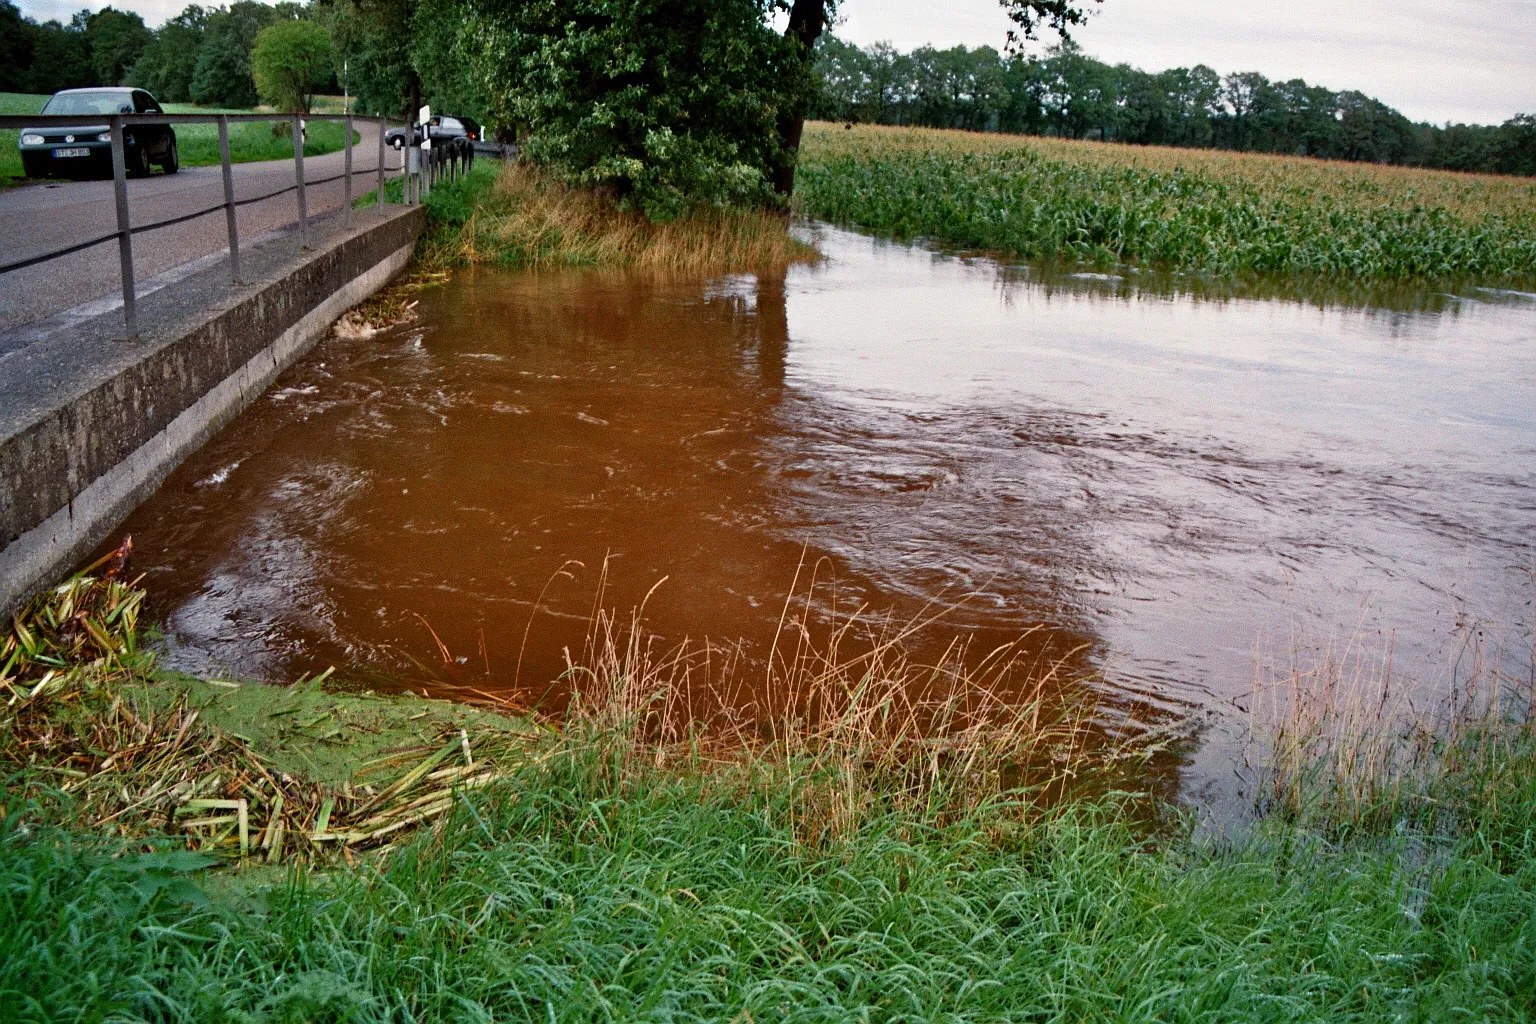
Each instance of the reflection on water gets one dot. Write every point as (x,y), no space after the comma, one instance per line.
(1154,482)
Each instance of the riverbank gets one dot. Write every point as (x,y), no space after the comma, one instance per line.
(601,875)
(517,216)
(1190,211)
(611,863)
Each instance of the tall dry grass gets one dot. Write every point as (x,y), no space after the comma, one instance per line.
(842,715)
(1346,741)
(838,725)
(527,218)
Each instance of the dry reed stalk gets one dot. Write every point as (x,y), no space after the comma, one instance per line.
(842,713)
(75,736)
(1347,741)
(846,720)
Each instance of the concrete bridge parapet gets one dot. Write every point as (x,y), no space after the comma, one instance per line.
(90,425)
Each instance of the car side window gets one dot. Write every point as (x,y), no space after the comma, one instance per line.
(145,104)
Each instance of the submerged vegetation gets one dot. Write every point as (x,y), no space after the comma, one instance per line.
(1193,211)
(841,865)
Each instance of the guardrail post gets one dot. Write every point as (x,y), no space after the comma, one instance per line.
(230,220)
(346,161)
(124,228)
(298,172)
(382,125)
(409,155)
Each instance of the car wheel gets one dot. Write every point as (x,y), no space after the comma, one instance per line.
(172,162)
(397,143)
(33,165)
(137,159)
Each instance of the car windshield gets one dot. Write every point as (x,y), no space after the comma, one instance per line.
(88,103)
(452,124)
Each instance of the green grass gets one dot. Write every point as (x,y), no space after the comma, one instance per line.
(603,876)
(1181,210)
(581,892)
(198,143)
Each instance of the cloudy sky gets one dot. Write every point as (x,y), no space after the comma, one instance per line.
(1435,60)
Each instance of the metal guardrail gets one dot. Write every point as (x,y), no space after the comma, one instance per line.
(420,167)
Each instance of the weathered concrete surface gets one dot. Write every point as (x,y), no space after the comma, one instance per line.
(90,425)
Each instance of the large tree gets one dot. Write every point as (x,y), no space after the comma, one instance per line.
(376,38)
(223,74)
(289,61)
(167,66)
(61,57)
(18,35)
(808,20)
(672,103)
(117,39)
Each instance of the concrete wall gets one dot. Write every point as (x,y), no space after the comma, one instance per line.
(83,441)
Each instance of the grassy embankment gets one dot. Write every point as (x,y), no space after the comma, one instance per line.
(1191,211)
(842,869)
(198,144)
(517,216)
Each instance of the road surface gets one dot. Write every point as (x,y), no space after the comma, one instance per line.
(40,218)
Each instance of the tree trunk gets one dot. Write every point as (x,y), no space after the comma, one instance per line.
(807,21)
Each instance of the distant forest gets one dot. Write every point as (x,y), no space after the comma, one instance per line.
(1067,93)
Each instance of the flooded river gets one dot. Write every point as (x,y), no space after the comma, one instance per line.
(1160,489)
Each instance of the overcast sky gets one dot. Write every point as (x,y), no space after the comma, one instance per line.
(1435,60)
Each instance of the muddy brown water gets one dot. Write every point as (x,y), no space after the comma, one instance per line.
(1161,489)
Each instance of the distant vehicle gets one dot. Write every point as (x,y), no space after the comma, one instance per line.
(440,127)
(84,152)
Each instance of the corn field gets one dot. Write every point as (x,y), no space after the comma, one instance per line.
(1182,210)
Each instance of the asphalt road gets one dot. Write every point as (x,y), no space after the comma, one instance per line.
(35,219)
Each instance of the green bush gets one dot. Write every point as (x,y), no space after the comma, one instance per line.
(291,59)
(667,104)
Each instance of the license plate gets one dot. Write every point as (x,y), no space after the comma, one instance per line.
(78,151)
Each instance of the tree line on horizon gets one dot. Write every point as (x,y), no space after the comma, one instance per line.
(1066,93)
(203,55)
(675,103)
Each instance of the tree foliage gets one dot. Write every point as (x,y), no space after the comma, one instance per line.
(376,39)
(17,38)
(289,61)
(117,38)
(223,73)
(168,65)
(664,103)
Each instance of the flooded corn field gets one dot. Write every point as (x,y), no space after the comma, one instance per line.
(1160,493)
